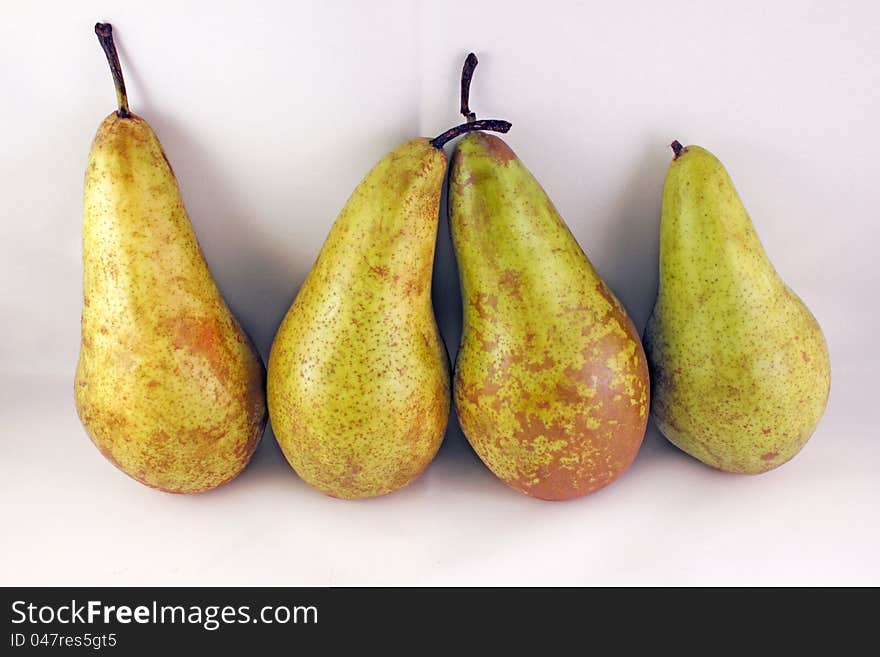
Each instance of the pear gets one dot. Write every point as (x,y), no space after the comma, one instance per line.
(739,365)
(551,383)
(168,385)
(358,379)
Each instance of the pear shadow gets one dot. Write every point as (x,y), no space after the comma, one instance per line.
(655,447)
(269,464)
(446,285)
(446,298)
(632,241)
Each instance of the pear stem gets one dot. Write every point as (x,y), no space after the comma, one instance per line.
(472,125)
(105,36)
(467,72)
(677,148)
(495,125)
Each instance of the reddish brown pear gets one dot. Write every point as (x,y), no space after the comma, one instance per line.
(551,383)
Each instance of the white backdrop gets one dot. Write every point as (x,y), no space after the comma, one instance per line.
(271,112)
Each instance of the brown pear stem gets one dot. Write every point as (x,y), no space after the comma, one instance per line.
(677,148)
(495,125)
(105,36)
(472,125)
(467,72)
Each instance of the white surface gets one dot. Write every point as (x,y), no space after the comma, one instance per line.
(271,115)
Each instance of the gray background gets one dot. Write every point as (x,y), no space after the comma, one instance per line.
(272,112)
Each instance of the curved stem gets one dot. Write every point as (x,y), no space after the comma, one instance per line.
(495,125)
(677,148)
(105,36)
(467,72)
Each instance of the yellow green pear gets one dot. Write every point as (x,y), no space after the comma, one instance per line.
(168,385)
(739,366)
(551,383)
(358,378)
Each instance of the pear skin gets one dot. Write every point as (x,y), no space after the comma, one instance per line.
(739,366)
(168,385)
(358,381)
(551,383)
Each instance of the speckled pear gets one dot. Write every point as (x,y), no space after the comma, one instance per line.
(358,375)
(739,365)
(168,385)
(551,383)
